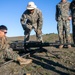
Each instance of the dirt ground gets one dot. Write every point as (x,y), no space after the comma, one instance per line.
(50,61)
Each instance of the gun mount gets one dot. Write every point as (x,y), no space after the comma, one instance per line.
(17,45)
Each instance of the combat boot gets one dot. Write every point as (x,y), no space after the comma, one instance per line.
(69,46)
(61,46)
(23,61)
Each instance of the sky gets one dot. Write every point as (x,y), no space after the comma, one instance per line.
(11,11)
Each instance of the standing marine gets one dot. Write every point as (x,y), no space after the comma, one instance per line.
(32,19)
(63,22)
(72,8)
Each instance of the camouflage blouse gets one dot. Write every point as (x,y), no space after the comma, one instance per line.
(3,44)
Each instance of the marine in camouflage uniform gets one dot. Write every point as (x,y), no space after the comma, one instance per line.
(63,21)
(72,7)
(32,19)
(6,52)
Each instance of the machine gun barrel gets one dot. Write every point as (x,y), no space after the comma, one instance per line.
(42,44)
(37,44)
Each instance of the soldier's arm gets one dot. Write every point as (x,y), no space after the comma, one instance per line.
(70,16)
(71,8)
(23,20)
(56,14)
(40,20)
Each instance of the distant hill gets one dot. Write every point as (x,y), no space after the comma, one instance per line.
(46,37)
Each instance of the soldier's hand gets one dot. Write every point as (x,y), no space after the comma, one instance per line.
(39,32)
(29,27)
(36,30)
(69,18)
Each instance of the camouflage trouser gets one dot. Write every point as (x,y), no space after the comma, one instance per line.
(73,28)
(27,33)
(64,27)
(8,54)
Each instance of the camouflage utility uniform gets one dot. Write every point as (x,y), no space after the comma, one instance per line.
(72,7)
(63,26)
(6,51)
(32,21)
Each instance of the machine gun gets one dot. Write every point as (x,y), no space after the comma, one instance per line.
(21,45)
(33,44)
(38,46)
